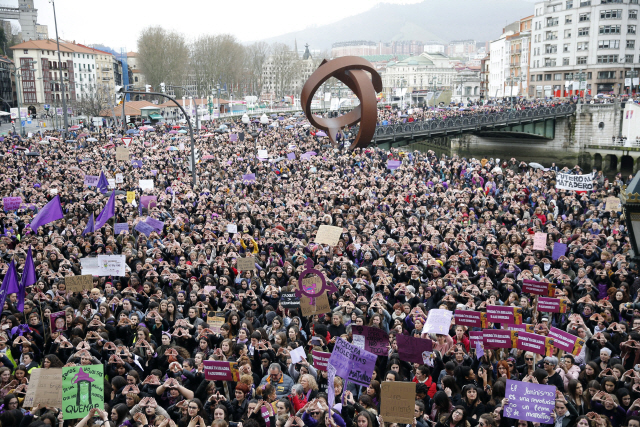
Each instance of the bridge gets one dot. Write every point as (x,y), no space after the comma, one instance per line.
(538,123)
(26,14)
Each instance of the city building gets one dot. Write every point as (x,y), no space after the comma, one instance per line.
(484,76)
(434,47)
(466,85)
(284,73)
(584,47)
(509,60)
(365,48)
(7,80)
(461,48)
(84,69)
(42,32)
(138,79)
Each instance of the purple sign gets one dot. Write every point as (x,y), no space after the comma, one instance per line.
(559,249)
(137,164)
(394,164)
(120,227)
(470,318)
(414,350)
(499,338)
(291,156)
(11,203)
(375,339)
(352,363)
(538,288)
(250,177)
(146,201)
(566,341)
(530,402)
(91,180)
(479,350)
(504,314)
(233,137)
(475,337)
(144,228)
(535,343)
(156,224)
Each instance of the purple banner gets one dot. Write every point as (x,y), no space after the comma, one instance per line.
(220,371)
(538,288)
(156,224)
(146,201)
(91,180)
(559,249)
(375,339)
(414,350)
(320,360)
(530,402)
(472,319)
(498,338)
(393,164)
(475,337)
(144,228)
(250,177)
(502,314)
(11,203)
(566,341)
(352,363)
(291,156)
(538,344)
(233,137)
(552,305)
(120,227)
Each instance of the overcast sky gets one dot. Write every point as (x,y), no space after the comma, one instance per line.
(117,23)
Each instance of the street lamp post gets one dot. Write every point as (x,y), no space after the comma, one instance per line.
(630,200)
(64,101)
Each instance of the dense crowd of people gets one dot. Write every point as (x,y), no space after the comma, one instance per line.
(451,233)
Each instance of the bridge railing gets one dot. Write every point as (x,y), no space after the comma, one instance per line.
(471,122)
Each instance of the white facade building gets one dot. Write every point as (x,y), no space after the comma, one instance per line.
(418,73)
(498,66)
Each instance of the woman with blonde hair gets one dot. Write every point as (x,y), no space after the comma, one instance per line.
(309,386)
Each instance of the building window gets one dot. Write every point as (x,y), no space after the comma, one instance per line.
(607,59)
(583,31)
(581,60)
(610,29)
(609,44)
(567,34)
(584,3)
(557,76)
(565,47)
(583,46)
(569,4)
(584,17)
(547,77)
(631,44)
(552,22)
(606,74)
(631,29)
(610,1)
(611,14)
(551,48)
(568,76)
(565,61)
(26,51)
(568,19)
(628,59)
(633,14)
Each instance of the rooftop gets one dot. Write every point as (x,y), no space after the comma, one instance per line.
(41,45)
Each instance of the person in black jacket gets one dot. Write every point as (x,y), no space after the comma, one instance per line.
(554,378)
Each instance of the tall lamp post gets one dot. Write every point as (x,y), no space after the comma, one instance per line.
(630,201)
(581,78)
(64,100)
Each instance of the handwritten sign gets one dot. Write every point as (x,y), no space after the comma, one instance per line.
(232,228)
(414,350)
(565,181)
(320,306)
(538,288)
(540,241)
(438,322)
(328,235)
(472,319)
(376,340)
(289,300)
(45,388)
(144,228)
(246,263)
(82,390)
(398,401)
(504,314)
(156,224)
(612,204)
(11,203)
(121,227)
(122,153)
(566,341)
(320,359)
(112,265)
(221,371)
(215,324)
(530,402)
(552,305)
(78,283)
(145,184)
(352,363)
(91,180)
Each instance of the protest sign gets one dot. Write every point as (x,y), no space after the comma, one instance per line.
(565,341)
(530,402)
(376,340)
(538,288)
(438,322)
(111,183)
(393,164)
(122,153)
(398,401)
(90,266)
(145,184)
(58,321)
(535,343)
(263,154)
(498,338)
(78,283)
(475,337)
(221,371)
(144,228)
(320,359)
(612,204)
(328,235)
(149,201)
(353,363)
(82,390)
(45,388)
(250,177)
(119,178)
(469,318)
(91,180)
(559,249)
(504,314)
(291,156)
(479,350)
(131,196)
(565,181)
(120,227)
(540,241)
(520,328)
(289,300)
(321,305)
(232,228)
(11,203)
(215,324)
(552,305)
(246,263)
(358,340)
(297,355)
(112,265)
(156,224)
(414,350)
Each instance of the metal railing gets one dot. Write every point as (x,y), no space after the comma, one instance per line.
(476,122)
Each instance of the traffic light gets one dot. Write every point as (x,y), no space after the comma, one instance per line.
(147,88)
(119,94)
(162,88)
(196,156)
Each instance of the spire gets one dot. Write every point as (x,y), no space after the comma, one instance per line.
(307,54)
(295,47)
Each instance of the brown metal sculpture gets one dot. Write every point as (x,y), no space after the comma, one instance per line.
(352,71)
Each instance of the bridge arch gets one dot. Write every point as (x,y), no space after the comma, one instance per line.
(626,165)
(597,161)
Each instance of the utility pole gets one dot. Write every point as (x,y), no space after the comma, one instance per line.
(64,101)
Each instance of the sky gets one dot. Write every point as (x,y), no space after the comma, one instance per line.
(117,23)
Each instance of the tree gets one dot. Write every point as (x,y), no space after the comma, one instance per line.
(283,69)
(92,104)
(255,57)
(217,60)
(163,56)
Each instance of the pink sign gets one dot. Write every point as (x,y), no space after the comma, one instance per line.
(552,305)
(472,319)
(221,371)
(376,340)
(538,344)
(566,341)
(504,314)
(475,337)
(498,338)
(320,360)
(519,328)
(540,241)
(11,203)
(538,288)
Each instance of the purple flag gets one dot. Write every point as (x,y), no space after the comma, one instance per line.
(291,156)
(103,184)
(479,350)
(90,226)
(146,201)
(51,212)
(28,279)
(9,284)
(108,211)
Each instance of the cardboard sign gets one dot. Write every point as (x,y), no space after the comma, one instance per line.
(45,388)
(414,350)
(321,305)
(122,153)
(246,263)
(538,344)
(82,390)
(530,402)
(376,340)
(289,300)
(320,360)
(565,181)
(438,322)
(353,364)
(398,401)
(120,227)
(328,235)
(538,288)
(612,204)
(540,241)
(472,319)
(11,203)
(215,323)
(498,338)
(566,341)
(78,283)
(552,305)
(504,314)
(559,249)
(221,371)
